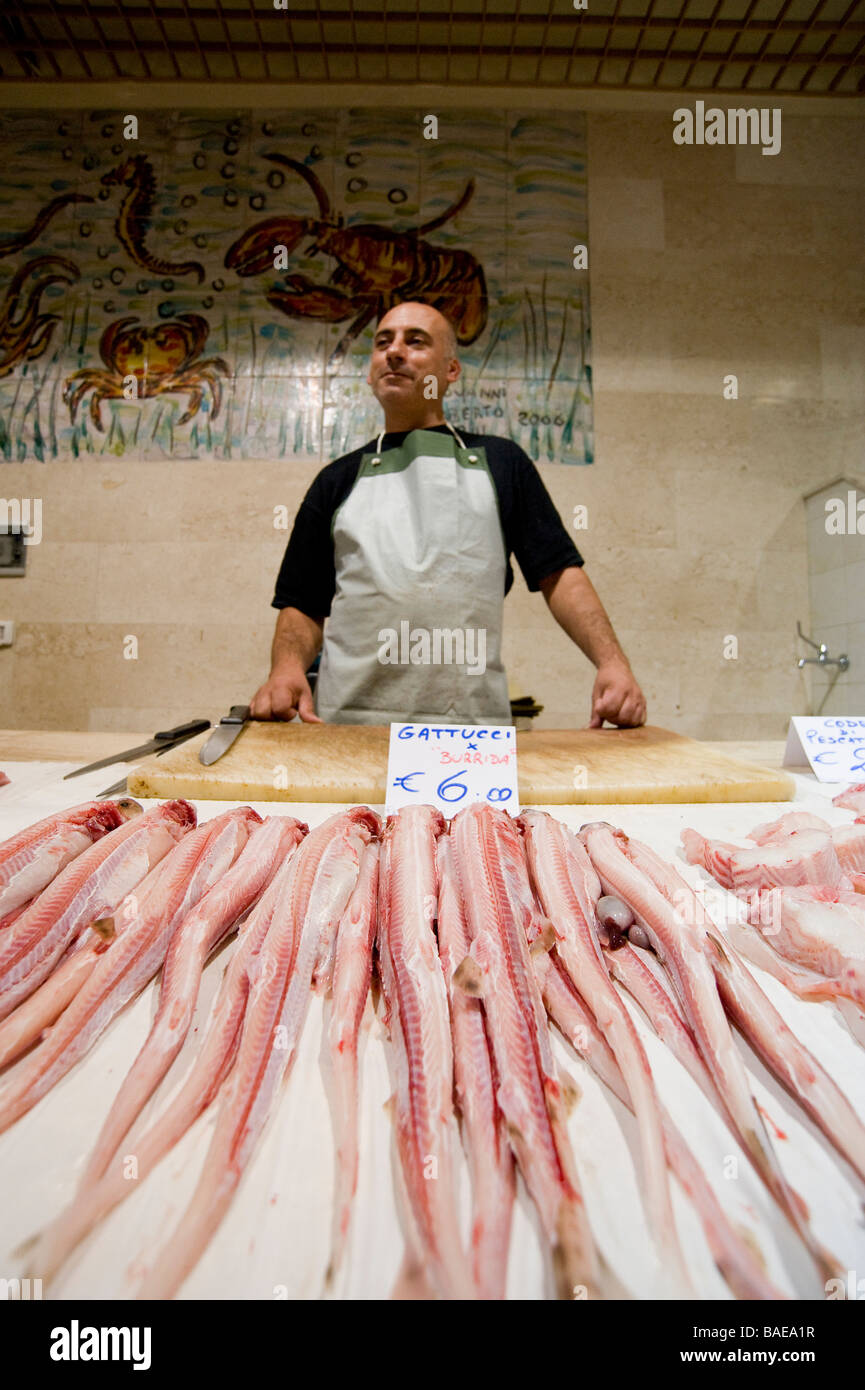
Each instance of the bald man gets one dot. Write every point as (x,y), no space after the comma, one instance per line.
(399,561)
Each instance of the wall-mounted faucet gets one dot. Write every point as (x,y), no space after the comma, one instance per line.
(822,658)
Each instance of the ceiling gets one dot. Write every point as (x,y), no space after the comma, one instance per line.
(760,46)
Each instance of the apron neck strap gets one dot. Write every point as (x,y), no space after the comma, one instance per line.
(380,440)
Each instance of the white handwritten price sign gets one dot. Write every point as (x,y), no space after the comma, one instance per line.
(834,747)
(452,765)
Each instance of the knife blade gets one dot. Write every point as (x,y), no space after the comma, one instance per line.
(123,784)
(160,743)
(223,735)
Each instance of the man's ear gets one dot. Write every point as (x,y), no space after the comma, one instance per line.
(454,369)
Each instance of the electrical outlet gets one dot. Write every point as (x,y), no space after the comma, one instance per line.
(7,633)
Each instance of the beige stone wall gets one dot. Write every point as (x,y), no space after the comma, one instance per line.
(704,261)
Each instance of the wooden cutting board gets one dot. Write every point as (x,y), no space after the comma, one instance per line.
(348,763)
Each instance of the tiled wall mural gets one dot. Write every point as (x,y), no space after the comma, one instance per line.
(145,313)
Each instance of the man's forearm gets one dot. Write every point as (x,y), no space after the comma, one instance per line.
(576,607)
(296,641)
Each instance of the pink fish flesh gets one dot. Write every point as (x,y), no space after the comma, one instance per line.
(32,858)
(677,925)
(777,831)
(209,1069)
(193,940)
(484,1131)
(736,1262)
(419,1022)
(503,918)
(185,873)
(25,1025)
(853,799)
(352,976)
(324,870)
(806,857)
(91,886)
(568,890)
(827,937)
(785,1056)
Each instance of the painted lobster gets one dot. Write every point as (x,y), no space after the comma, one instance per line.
(376,269)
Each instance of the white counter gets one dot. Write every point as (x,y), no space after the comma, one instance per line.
(275,1240)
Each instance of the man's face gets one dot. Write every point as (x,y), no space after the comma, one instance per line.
(412,343)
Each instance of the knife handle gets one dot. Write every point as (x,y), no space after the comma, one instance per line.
(238,714)
(195,726)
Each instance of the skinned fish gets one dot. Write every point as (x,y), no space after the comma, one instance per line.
(503,919)
(90,887)
(823,933)
(782,1053)
(200,1087)
(734,1258)
(568,890)
(853,799)
(323,872)
(807,856)
(352,977)
(793,822)
(197,861)
(195,937)
(484,1130)
(32,858)
(678,935)
(419,1022)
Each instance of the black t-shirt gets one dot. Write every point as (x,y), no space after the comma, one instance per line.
(533,529)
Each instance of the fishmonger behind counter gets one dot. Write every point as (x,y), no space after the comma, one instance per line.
(418,527)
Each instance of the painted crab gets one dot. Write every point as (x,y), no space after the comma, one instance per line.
(161,360)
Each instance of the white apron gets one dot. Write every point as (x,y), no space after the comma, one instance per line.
(420,575)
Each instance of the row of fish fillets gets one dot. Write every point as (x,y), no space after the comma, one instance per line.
(798,902)
(482,933)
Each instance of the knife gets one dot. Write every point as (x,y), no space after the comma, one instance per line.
(224,735)
(160,743)
(122,785)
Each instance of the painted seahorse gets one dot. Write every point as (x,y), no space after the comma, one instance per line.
(17,241)
(24,332)
(133,219)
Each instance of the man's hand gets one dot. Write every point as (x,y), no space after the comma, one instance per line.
(617,697)
(284,695)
